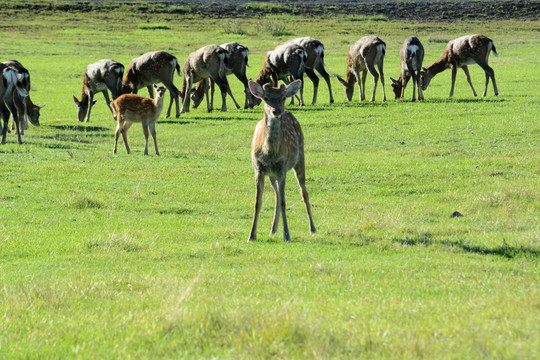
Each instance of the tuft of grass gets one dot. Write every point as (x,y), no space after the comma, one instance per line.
(150,26)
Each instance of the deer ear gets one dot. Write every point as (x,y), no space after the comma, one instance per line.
(293,88)
(424,68)
(343,82)
(255,89)
(75,99)
(41,106)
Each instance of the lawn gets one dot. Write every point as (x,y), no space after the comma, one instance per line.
(133,256)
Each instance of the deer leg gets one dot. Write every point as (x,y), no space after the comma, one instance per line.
(16,118)
(417,80)
(107,99)
(320,68)
(231,95)
(301,77)
(315,79)
(173,91)
(381,72)
(209,103)
(145,131)
(275,222)
(151,90)
(90,104)
(243,78)
(454,72)
(468,76)
(212,91)
(258,202)
(489,74)
(153,132)
(281,189)
(5,115)
(117,134)
(372,71)
(363,85)
(125,129)
(300,172)
(188,82)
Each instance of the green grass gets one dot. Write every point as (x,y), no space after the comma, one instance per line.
(129,256)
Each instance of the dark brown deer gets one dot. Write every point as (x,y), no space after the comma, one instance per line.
(277,147)
(129,108)
(411,57)
(101,76)
(363,56)
(459,53)
(284,61)
(152,68)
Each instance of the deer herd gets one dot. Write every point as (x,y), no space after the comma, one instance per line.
(278,143)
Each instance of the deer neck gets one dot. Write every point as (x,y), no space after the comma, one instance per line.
(439,66)
(272,133)
(158,103)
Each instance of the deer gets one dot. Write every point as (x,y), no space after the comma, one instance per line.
(208,62)
(149,69)
(411,57)
(101,76)
(130,108)
(460,52)
(363,56)
(236,63)
(24,79)
(276,148)
(315,61)
(284,61)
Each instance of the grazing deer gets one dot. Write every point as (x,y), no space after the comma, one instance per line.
(460,52)
(209,62)
(24,79)
(284,61)
(98,77)
(277,147)
(314,61)
(235,63)
(130,108)
(149,69)
(411,57)
(363,55)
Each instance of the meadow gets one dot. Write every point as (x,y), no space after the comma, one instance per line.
(133,256)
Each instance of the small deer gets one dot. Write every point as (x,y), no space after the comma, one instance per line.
(13,98)
(460,52)
(284,61)
(236,62)
(277,147)
(152,68)
(100,76)
(207,62)
(363,55)
(411,58)
(130,108)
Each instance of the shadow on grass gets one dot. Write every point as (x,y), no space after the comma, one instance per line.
(179,122)
(505,250)
(80,128)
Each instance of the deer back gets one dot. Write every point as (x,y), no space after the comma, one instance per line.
(150,68)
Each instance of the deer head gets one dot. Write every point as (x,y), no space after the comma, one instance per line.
(274,98)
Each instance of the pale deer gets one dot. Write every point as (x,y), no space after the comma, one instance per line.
(460,52)
(129,108)
(101,76)
(277,147)
(315,61)
(209,62)
(411,57)
(363,56)
(149,69)
(236,62)
(284,61)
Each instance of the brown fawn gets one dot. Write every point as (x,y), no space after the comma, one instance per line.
(130,108)
(277,147)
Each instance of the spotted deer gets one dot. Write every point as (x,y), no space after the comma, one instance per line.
(129,108)
(101,76)
(236,62)
(363,56)
(459,53)
(411,57)
(152,68)
(284,61)
(208,62)
(277,147)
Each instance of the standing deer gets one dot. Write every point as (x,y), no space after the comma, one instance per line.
(24,79)
(460,52)
(207,62)
(277,147)
(149,69)
(411,57)
(284,61)
(363,55)
(236,62)
(315,61)
(98,77)
(130,108)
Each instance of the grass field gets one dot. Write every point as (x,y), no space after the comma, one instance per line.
(133,256)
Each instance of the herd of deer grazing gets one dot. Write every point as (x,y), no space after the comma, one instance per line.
(278,143)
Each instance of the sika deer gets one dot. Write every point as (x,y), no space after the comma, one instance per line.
(363,55)
(207,62)
(12,90)
(130,108)
(277,147)
(411,58)
(149,69)
(461,52)
(98,77)
(235,63)
(24,79)
(284,61)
